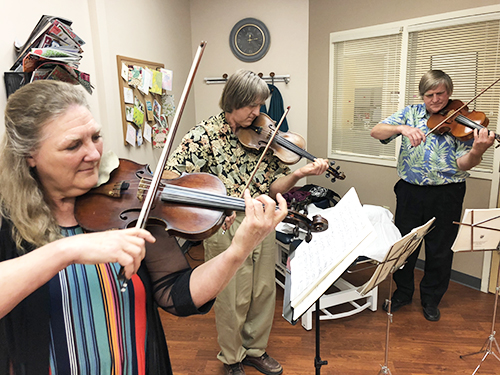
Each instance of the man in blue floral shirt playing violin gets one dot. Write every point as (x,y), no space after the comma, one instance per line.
(432,170)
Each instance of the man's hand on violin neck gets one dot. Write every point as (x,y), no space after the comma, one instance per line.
(317,167)
(483,139)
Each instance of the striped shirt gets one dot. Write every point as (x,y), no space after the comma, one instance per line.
(94,327)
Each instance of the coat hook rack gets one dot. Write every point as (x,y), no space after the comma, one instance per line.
(272,78)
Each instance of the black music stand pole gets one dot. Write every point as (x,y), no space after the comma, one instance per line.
(317,360)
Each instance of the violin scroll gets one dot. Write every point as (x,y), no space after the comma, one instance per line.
(301,221)
(334,173)
(297,216)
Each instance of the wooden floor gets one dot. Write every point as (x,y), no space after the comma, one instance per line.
(356,345)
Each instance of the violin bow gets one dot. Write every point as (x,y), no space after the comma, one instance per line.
(453,113)
(275,132)
(155,181)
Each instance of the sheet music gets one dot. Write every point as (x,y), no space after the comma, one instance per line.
(485,238)
(312,262)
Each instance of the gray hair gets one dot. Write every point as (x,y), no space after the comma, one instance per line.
(432,79)
(243,88)
(22,201)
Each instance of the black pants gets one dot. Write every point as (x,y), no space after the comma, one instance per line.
(415,206)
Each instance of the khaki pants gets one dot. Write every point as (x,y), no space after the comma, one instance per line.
(244,310)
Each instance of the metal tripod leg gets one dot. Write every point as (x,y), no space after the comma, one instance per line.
(384,370)
(488,347)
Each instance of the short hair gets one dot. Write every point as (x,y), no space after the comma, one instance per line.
(22,200)
(243,88)
(432,79)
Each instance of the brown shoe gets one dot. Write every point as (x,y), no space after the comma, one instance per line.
(234,369)
(265,364)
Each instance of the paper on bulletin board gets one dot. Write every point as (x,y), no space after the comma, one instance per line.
(147,132)
(167,78)
(128,95)
(131,134)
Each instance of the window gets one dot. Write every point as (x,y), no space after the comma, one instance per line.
(370,68)
(366,90)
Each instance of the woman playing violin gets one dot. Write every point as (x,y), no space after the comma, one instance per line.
(432,170)
(245,309)
(61,309)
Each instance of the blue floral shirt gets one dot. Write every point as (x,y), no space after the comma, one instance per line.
(433,162)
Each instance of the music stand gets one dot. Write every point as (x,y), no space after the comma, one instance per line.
(482,238)
(395,259)
(288,315)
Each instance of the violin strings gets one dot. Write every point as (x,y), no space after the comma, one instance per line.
(182,194)
(191,196)
(463,106)
(187,195)
(282,141)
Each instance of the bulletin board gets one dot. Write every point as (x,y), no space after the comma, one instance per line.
(141,99)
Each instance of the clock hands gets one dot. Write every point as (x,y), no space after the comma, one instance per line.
(251,39)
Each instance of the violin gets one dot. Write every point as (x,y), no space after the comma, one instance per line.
(192,206)
(287,146)
(456,119)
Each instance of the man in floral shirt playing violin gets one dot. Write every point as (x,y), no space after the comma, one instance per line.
(244,310)
(432,170)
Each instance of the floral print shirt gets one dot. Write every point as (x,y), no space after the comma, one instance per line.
(433,162)
(212,147)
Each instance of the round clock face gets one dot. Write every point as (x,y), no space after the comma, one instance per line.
(249,40)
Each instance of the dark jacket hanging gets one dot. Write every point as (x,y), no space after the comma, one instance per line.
(276,108)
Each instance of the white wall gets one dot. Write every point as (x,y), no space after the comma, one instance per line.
(374,184)
(287,21)
(152,30)
(17,23)
(168,31)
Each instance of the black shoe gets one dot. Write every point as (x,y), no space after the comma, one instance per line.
(265,364)
(431,313)
(234,369)
(396,304)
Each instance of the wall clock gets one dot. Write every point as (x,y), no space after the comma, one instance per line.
(249,39)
